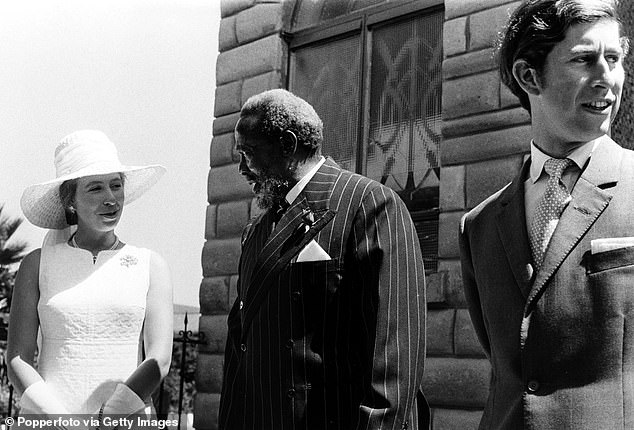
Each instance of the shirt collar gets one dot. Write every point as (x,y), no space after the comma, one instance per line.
(579,156)
(301,184)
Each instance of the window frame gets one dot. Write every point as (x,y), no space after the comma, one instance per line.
(360,22)
(363,23)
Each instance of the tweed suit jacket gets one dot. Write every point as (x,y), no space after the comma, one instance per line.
(331,344)
(560,339)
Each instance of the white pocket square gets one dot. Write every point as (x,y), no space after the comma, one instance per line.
(610,243)
(312,252)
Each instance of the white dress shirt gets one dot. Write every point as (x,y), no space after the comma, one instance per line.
(301,184)
(535,184)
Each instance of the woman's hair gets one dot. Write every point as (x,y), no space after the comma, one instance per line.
(537,26)
(67,192)
(276,111)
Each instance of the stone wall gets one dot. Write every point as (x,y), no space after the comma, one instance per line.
(623,127)
(485,138)
(252,59)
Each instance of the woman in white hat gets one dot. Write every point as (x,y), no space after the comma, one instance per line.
(103,307)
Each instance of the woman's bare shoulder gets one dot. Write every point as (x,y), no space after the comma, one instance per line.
(31,260)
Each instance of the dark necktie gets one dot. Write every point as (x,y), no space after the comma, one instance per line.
(277,211)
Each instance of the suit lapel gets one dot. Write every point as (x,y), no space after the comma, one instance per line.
(589,200)
(302,221)
(254,241)
(511,222)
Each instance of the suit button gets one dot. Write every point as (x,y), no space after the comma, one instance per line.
(290,344)
(291,393)
(296,295)
(243,347)
(533,386)
(241,304)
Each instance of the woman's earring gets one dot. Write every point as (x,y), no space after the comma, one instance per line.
(71,215)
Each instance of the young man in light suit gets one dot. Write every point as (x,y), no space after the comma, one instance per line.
(548,261)
(328,329)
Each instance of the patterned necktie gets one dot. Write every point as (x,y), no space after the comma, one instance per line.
(549,208)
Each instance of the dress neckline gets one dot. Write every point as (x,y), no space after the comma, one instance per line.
(96,257)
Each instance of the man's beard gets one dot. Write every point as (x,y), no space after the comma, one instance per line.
(271,190)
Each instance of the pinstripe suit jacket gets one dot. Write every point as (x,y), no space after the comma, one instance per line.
(334,344)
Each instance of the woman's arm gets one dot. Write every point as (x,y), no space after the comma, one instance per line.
(24,323)
(157,331)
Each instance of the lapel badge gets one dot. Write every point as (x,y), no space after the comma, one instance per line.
(308,219)
(128,260)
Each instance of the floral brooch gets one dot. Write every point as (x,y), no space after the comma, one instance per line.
(128,260)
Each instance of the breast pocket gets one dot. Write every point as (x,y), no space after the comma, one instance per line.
(610,282)
(609,260)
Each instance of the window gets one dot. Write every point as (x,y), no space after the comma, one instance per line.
(374,77)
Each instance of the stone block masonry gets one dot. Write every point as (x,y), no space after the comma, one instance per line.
(485,137)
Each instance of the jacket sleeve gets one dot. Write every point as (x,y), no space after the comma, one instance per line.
(470,286)
(392,287)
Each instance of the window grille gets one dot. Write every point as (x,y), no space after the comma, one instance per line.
(332,87)
(375,80)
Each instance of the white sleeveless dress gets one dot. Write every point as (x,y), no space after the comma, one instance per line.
(91,321)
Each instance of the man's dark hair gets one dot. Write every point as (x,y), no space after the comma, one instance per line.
(279,110)
(537,26)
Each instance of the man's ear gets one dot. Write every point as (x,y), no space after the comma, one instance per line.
(289,143)
(526,77)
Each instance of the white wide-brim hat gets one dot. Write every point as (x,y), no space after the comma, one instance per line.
(83,153)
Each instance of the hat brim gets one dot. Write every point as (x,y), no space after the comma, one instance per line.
(42,205)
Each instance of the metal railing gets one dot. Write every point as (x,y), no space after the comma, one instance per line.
(185,339)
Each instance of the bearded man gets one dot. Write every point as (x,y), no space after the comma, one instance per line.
(328,328)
